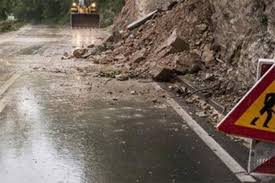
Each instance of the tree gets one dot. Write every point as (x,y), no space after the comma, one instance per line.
(109,9)
(6,8)
(41,10)
(52,11)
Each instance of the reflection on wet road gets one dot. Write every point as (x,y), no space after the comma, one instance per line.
(86,37)
(55,135)
(36,45)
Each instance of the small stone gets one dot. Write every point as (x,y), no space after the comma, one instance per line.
(138,56)
(181,90)
(201,114)
(119,130)
(190,63)
(155,101)
(206,107)
(120,57)
(133,92)
(189,100)
(177,43)
(171,5)
(122,77)
(66,54)
(209,77)
(78,53)
(202,27)
(208,55)
(91,46)
(162,74)
(194,68)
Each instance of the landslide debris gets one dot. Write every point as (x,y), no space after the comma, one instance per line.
(174,39)
(190,38)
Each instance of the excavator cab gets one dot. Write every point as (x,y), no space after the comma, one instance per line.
(84,14)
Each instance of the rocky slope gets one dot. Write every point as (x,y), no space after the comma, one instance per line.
(214,44)
(243,31)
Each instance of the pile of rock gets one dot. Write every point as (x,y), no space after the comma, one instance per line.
(158,45)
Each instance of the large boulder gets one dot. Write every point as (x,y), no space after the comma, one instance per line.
(162,74)
(175,43)
(78,53)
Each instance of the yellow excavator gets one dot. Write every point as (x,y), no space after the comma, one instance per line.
(84,14)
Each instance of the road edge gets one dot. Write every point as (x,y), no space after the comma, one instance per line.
(216,148)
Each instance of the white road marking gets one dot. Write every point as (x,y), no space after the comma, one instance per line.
(216,148)
(3,103)
(8,83)
(4,88)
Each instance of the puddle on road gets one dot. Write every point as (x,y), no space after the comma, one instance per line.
(36,44)
(86,37)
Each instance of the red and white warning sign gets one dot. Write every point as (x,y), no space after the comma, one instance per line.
(262,154)
(254,115)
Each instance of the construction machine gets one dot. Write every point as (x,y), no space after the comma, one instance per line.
(84,14)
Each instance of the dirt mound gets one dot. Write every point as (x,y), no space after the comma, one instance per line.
(195,39)
(179,39)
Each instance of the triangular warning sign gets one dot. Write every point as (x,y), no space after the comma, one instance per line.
(254,115)
(267,167)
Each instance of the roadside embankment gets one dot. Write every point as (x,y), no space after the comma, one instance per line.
(216,51)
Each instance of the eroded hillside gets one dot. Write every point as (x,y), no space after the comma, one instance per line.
(214,44)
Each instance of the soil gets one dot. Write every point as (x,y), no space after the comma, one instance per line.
(138,51)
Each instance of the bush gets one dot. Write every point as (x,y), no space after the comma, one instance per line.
(54,11)
(41,11)
(6,26)
(108,10)
(5,8)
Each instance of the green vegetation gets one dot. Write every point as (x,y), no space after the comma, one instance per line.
(54,11)
(5,8)
(6,26)
(36,11)
(42,11)
(108,10)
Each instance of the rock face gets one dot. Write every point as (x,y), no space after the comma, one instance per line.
(244,32)
(234,32)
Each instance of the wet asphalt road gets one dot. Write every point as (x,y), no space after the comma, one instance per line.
(53,134)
